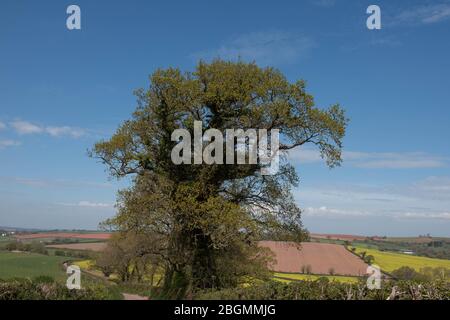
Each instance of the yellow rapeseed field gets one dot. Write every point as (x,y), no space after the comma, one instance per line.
(287,277)
(389,261)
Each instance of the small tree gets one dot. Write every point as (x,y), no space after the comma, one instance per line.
(308,269)
(406,273)
(369,259)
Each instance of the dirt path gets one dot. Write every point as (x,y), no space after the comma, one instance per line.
(129,296)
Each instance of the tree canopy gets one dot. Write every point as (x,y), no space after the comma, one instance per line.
(208,217)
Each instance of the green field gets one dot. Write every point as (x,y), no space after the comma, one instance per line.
(288,277)
(30,265)
(389,261)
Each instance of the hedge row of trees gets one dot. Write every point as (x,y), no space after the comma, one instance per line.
(35,247)
(323,289)
(45,288)
(423,275)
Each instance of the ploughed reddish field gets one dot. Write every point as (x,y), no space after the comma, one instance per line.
(321,257)
(95,246)
(72,235)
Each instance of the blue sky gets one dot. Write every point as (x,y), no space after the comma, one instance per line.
(61,91)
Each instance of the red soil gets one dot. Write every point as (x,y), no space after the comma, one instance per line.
(95,246)
(97,236)
(322,257)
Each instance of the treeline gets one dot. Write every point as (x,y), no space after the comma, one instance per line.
(323,289)
(35,247)
(38,247)
(75,254)
(426,274)
(439,249)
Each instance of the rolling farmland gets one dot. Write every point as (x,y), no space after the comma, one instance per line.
(30,265)
(91,246)
(288,277)
(389,261)
(322,258)
(64,235)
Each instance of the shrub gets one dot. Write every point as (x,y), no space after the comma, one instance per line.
(45,288)
(323,289)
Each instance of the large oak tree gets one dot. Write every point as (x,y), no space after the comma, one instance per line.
(207,218)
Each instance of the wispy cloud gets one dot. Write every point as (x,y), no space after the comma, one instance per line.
(424,14)
(2,125)
(327,212)
(324,211)
(427,199)
(8,143)
(270,47)
(88,204)
(416,215)
(25,127)
(65,131)
(374,160)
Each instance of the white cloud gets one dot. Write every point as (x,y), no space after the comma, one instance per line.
(425,14)
(2,125)
(8,143)
(25,127)
(88,204)
(374,160)
(436,188)
(416,215)
(262,47)
(427,199)
(94,204)
(324,211)
(62,131)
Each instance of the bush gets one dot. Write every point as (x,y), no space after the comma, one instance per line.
(425,274)
(406,273)
(35,247)
(60,253)
(45,288)
(322,289)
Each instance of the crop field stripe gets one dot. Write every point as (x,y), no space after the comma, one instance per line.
(313,277)
(389,261)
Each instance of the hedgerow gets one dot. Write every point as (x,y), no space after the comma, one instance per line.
(323,289)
